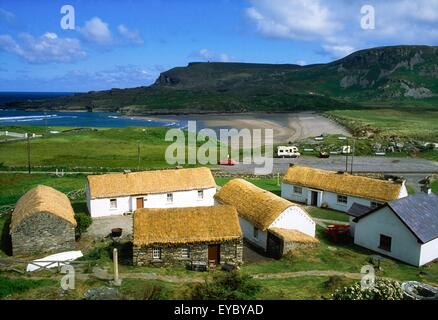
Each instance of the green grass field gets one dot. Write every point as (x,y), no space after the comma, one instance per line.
(435,186)
(109,148)
(271,185)
(388,122)
(14,185)
(327,214)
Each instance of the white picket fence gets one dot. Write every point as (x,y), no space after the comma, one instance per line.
(19,135)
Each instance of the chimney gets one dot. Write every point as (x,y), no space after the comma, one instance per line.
(426,189)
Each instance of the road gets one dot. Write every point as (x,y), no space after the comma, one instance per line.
(386,165)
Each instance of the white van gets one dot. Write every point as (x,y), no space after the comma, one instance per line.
(287,152)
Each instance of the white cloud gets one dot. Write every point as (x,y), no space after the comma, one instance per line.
(293,19)
(338,50)
(301,62)
(46,48)
(208,55)
(96,31)
(133,36)
(6,16)
(335,24)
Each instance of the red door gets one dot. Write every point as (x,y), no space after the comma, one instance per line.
(214,253)
(140,203)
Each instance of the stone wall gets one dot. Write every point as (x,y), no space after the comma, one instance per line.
(42,232)
(230,252)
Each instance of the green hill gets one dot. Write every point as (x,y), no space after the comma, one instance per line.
(390,76)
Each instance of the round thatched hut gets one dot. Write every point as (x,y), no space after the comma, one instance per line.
(43,221)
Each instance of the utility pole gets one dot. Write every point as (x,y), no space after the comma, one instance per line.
(138,156)
(28,153)
(346,159)
(352,155)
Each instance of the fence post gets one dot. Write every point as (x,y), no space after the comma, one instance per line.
(117,281)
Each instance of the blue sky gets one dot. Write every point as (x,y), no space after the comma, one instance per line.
(128,43)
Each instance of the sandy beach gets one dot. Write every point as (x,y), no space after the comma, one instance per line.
(288,127)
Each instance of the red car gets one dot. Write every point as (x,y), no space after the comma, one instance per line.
(227,162)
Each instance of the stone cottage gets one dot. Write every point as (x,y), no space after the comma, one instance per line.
(208,236)
(42,221)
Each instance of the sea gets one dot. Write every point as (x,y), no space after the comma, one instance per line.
(71,119)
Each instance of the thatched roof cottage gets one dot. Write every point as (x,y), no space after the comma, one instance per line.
(338,190)
(42,221)
(205,235)
(119,193)
(268,221)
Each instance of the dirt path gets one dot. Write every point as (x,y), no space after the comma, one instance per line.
(201,278)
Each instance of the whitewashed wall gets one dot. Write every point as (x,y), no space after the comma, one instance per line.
(295,218)
(405,246)
(101,207)
(326,197)
(248,232)
(403,191)
(429,252)
(352,225)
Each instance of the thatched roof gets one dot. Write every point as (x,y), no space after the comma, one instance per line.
(185,225)
(292,235)
(343,183)
(254,204)
(147,182)
(42,199)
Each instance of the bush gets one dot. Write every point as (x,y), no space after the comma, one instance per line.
(383,289)
(227,286)
(84,221)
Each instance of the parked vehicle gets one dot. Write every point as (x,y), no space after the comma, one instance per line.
(324,154)
(287,152)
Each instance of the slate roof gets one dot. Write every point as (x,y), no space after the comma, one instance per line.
(357,210)
(418,212)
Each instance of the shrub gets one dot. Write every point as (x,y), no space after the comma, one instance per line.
(227,286)
(383,289)
(84,221)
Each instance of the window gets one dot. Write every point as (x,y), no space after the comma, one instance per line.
(156,253)
(113,203)
(375,204)
(185,253)
(385,242)
(255,233)
(200,194)
(170,197)
(298,190)
(342,199)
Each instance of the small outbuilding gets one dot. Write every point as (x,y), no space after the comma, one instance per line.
(206,236)
(43,221)
(270,223)
(404,229)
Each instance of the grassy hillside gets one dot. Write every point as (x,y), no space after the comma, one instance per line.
(393,76)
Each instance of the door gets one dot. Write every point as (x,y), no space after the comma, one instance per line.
(314,201)
(214,253)
(274,247)
(140,203)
